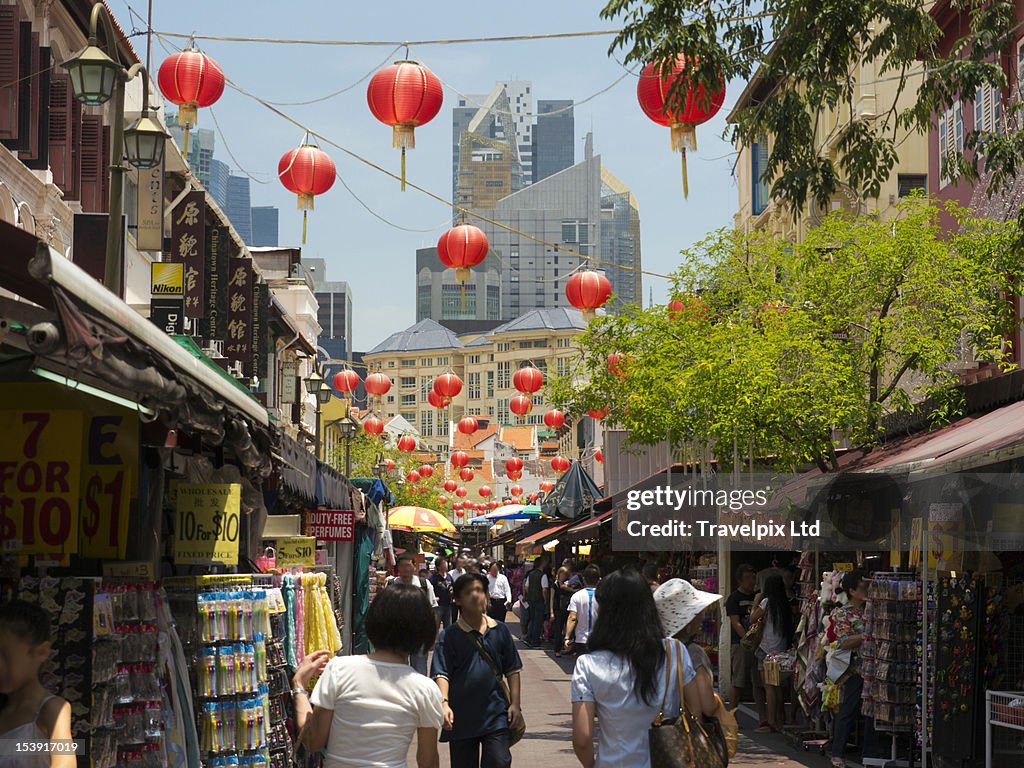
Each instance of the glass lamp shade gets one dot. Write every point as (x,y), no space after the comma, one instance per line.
(313,383)
(93,75)
(348,429)
(325,393)
(144,142)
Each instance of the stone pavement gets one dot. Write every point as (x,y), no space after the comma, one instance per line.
(548,712)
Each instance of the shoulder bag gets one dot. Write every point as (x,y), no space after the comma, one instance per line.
(518,729)
(752,639)
(682,741)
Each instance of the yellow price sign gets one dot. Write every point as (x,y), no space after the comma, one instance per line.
(843,567)
(209,523)
(296,552)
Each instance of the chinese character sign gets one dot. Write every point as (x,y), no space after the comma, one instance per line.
(238,343)
(188,246)
(215,322)
(261,306)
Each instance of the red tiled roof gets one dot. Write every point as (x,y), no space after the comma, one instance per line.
(520,438)
(461,442)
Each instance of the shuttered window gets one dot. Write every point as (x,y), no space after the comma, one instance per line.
(758,164)
(60,138)
(91,159)
(10,70)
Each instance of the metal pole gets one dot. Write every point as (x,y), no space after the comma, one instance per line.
(317,431)
(348,456)
(112,267)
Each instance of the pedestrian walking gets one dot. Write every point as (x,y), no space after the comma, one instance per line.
(622,681)
(406,565)
(366,709)
(744,664)
(779,629)
(582,611)
(681,607)
(441,581)
(849,630)
(476,667)
(500,593)
(537,599)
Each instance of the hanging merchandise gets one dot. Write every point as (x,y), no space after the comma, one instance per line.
(664,83)
(190,79)
(404,95)
(306,171)
(588,291)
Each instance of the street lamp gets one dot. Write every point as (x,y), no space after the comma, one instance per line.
(313,383)
(349,428)
(96,77)
(316,386)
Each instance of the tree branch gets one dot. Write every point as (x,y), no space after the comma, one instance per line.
(899,375)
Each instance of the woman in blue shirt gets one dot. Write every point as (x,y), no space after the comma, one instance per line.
(622,680)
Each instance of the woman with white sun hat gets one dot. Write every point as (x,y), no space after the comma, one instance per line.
(681,609)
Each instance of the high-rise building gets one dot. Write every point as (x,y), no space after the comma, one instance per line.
(440,297)
(620,240)
(239,206)
(200,148)
(335,313)
(554,138)
(265,225)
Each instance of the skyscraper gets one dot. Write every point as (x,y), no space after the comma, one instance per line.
(265,225)
(554,138)
(239,208)
(620,240)
(200,148)
(335,313)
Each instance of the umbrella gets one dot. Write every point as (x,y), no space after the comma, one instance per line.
(511,512)
(573,495)
(419,519)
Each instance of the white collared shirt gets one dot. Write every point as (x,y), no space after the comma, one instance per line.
(499,588)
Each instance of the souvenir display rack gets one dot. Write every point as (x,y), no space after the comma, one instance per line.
(1004,710)
(891,656)
(703,574)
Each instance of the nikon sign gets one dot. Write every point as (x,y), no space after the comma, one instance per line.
(167,279)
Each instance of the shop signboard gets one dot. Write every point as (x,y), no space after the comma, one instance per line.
(50,426)
(208,525)
(149,235)
(215,322)
(168,315)
(260,311)
(238,344)
(296,552)
(289,382)
(188,247)
(331,524)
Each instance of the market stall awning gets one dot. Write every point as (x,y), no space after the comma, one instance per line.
(506,538)
(592,523)
(547,533)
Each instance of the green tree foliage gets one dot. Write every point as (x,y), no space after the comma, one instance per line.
(781,346)
(367,451)
(809,53)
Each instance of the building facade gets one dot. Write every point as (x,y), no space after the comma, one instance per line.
(265,226)
(554,138)
(335,312)
(440,297)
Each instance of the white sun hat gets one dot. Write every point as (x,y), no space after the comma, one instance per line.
(679,603)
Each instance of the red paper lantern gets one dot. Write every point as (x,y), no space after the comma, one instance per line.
(426,470)
(461,248)
(492,505)
(346,380)
(461,492)
(459,512)
(377,384)
(404,95)
(448,385)
(459,459)
(615,361)
(467,474)
(560,464)
(306,171)
(468,425)
(520,405)
(597,413)
(442,500)
(450,486)
(412,477)
(528,380)
(688,308)
(373,426)
(656,81)
(514,464)
(599,456)
(554,419)
(436,400)
(485,491)
(190,79)
(407,443)
(390,464)
(546,486)
(516,490)
(516,475)
(587,291)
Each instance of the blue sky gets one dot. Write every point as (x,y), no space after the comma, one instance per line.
(377,259)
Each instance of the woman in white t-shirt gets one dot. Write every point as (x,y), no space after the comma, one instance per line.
(368,708)
(622,680)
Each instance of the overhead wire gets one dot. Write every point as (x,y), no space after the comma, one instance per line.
(437,198)
(392,43)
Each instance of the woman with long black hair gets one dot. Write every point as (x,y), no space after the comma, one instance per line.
(779,629)
(622,680)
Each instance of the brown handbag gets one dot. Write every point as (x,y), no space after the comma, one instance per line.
(682,741)
(517,730)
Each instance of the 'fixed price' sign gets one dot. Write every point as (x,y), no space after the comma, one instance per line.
(40,458)
(209,523)
(296,551)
